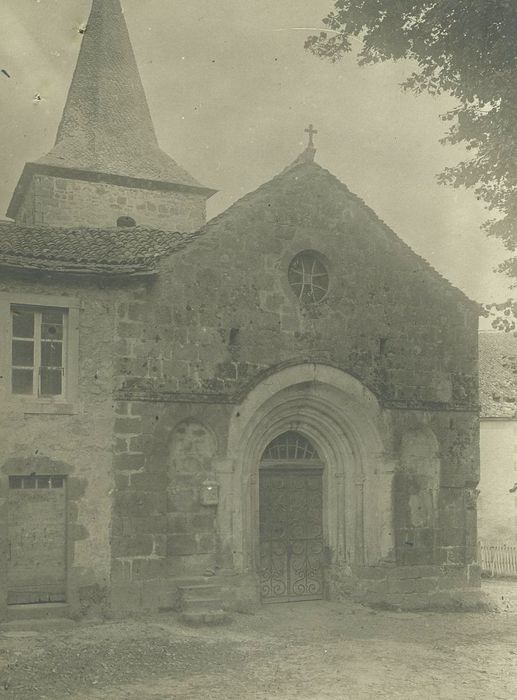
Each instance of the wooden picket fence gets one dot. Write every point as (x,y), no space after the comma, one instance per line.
(498,559)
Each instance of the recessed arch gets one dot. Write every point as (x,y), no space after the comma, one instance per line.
(344,422)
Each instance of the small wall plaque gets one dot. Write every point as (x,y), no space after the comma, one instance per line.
(209,495)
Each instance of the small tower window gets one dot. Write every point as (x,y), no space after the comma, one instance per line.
(308,277)
(125,222)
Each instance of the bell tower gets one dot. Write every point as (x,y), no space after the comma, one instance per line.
(106,164)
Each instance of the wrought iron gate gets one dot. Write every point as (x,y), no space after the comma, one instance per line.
(291,534)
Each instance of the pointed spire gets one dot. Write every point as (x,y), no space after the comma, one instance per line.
(106,125)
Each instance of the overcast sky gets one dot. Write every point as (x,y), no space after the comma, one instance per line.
(231,90)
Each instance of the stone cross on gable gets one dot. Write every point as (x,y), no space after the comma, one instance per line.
(312,132)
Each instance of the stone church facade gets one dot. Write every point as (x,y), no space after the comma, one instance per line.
(281,402)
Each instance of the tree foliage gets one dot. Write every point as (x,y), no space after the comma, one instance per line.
(467,48)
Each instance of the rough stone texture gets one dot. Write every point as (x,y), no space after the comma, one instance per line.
(165,366)
(165,363)
(400,340)
(221,317)
(60,201)
(75,440)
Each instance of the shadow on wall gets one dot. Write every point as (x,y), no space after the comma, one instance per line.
(416,489)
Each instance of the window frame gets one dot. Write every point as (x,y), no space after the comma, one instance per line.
(38,341)
(70,359)
(307,278)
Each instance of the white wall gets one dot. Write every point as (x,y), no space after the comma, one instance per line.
(497,507)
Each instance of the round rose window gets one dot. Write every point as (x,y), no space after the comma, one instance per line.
(308,277)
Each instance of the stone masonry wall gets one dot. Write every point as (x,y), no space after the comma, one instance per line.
(222,316)
(74,439)
(57,201)
(164,452)
(222,312)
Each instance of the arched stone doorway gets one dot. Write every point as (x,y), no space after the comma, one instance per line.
(291,520)
(344,423)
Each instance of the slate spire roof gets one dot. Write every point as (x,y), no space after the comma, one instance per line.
(106,125)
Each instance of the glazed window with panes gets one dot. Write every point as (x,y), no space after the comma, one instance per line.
(38,351)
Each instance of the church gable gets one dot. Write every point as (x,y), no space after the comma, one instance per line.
(301,270)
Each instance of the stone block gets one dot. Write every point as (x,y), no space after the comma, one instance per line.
(412,585)
(474,575)
(150,524)
(142,443)
(120,445)
(132,546)
(451,555)
(120,572)
(128,426)
(369,586)
(146,481)
(418,571)
(145,569)
(178,545)
(372,572)
(160,545)
(205,543)
(129,461)
(129,329)
(184,502)
(117,526)
(121,481)
(178,523)
(140,503)
(453,577)
(202,521)
(452,537)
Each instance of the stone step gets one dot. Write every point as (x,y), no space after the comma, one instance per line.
(37,611)
(199,604)
(212,617)
(199,589)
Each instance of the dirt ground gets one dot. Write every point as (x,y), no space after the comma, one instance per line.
(306,650)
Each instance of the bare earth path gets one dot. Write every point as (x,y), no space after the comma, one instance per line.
(304,650)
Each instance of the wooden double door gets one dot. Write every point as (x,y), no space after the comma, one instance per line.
(291,533)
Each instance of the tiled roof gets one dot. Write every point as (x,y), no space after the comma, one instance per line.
(498,374)
(84,250)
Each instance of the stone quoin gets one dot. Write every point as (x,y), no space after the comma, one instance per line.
(279,404)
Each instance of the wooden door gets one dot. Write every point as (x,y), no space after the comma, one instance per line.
(291,534)
(36,570)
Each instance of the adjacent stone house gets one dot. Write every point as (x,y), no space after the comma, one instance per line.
(282,401)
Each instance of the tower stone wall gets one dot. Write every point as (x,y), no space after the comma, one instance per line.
(67,202)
